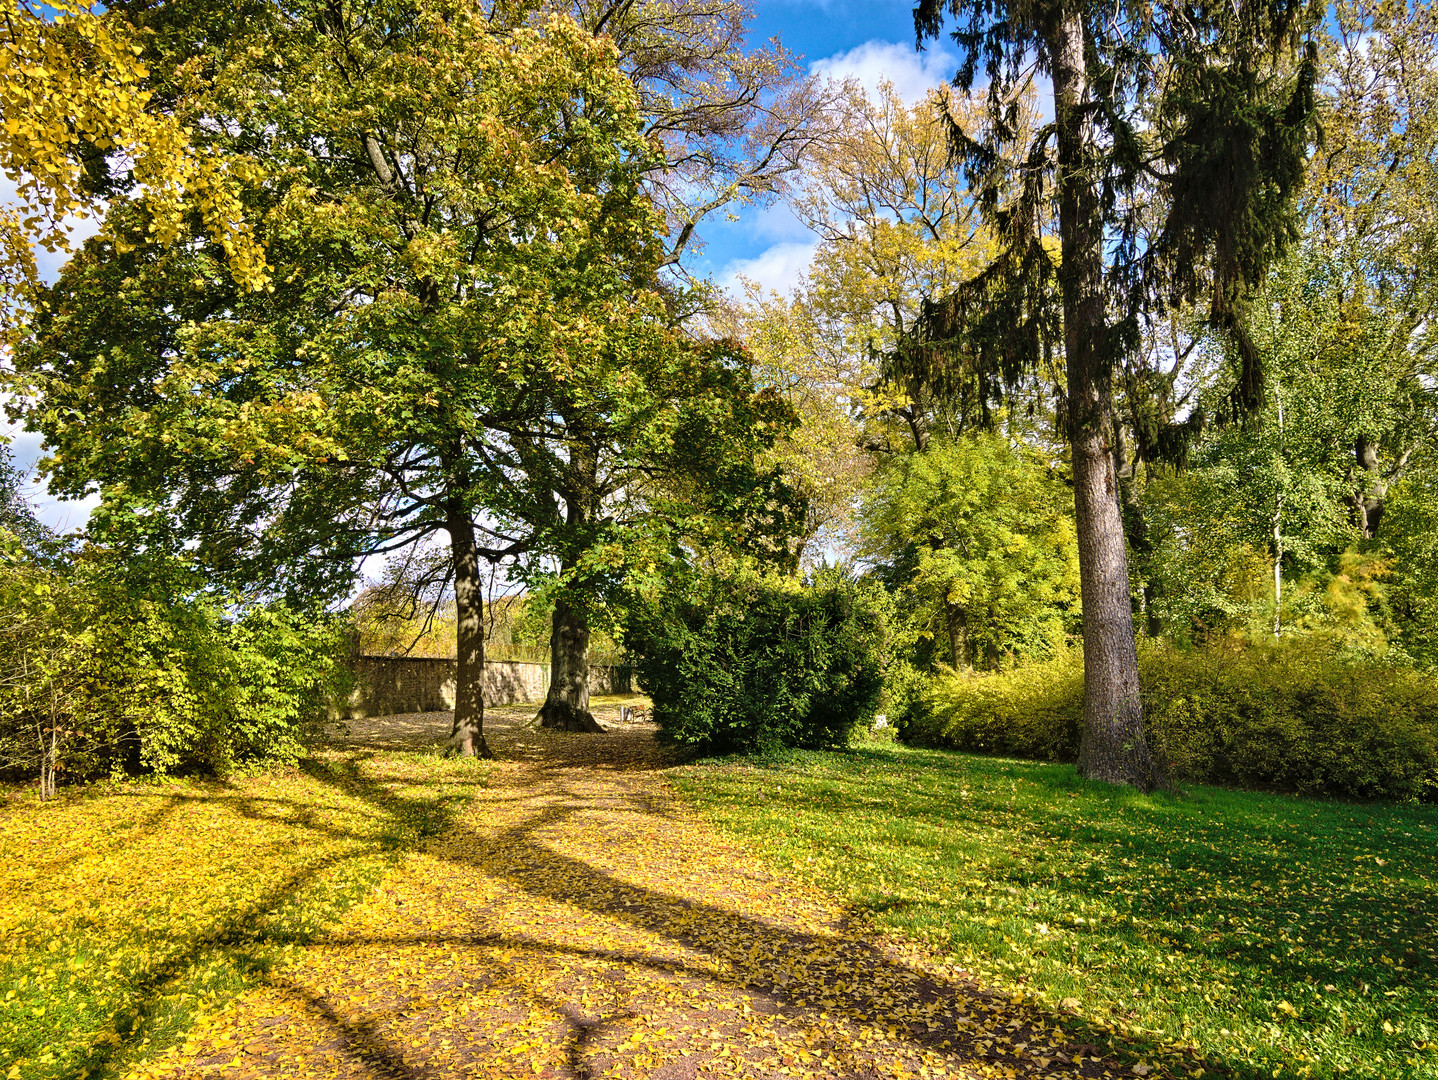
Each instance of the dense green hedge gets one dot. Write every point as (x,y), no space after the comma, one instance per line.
(1292,716)
(755,662)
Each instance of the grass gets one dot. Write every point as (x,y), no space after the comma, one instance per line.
(132,908)
(1274,936)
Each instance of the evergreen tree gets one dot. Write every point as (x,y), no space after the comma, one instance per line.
(1178,137)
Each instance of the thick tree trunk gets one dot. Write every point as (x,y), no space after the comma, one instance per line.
(566,706)
(1113,745)
(958,625)
(467,735)
(1373,493)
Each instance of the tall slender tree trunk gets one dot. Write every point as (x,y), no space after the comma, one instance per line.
(1113,746)
(466,738)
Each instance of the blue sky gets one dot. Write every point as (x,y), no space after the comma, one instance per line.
(836,38)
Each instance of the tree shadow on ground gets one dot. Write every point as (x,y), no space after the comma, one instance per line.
(838,976)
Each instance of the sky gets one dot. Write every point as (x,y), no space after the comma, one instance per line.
(839,39)
(867,41)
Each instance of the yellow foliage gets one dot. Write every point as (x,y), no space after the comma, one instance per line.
(71,78)
(128,911)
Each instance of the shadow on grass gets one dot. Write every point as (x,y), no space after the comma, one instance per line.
(821,975)
(247,940)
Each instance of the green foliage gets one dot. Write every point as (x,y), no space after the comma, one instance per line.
(429,321)
(1410,539)
(755,661)
(977,535)
(1032,711)
(102,670)
(1296,715)
(284,668)
(1235,933)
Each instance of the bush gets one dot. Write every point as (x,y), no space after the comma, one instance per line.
(1295,715)
(756,662)
(1032,711)
(103,673)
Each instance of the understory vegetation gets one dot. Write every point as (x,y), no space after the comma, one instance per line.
(1293,715)
(1278,936)
(113,667)
(748,661)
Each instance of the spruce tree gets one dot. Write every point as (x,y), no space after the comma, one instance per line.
(1178,139)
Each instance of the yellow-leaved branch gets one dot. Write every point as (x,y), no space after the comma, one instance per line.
(72,87)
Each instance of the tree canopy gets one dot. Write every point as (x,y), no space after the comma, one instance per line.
(464,336)
(1178,140)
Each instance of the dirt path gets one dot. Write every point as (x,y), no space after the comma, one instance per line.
(575,921)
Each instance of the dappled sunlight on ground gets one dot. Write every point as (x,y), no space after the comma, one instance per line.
(575,921)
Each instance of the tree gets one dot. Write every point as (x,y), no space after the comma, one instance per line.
(71,103)
(460,250)
(896,230)
(730,124)
(1178,139)
(975,533)
(1371,212)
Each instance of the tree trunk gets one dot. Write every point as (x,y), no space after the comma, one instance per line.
(958,626)
(566,706)
(466,737)
(1369,499)
(1113,746)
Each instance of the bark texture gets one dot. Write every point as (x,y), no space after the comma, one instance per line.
(566,706)
(1113,747)
(466,738)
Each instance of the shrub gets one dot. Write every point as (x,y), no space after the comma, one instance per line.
(1032,711)
(100,673)
(1295,715)
(755,662)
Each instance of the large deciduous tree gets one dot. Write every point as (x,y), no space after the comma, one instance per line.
(462,319)
(729,124)
(1178,137)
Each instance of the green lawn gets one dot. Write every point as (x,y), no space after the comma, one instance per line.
(1278,936)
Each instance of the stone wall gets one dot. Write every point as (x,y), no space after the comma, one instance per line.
(406,684)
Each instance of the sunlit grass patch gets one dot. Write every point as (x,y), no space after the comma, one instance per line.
(1278,936)
(131,908)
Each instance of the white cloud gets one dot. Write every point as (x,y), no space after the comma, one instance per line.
(778,269)
(776,222)
(912,73)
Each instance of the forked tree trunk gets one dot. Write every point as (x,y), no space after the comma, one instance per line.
(566,706)
(466,738)
(1113,746)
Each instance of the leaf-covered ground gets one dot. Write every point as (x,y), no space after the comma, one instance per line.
(129,909)
(1281,936)
(556,913)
